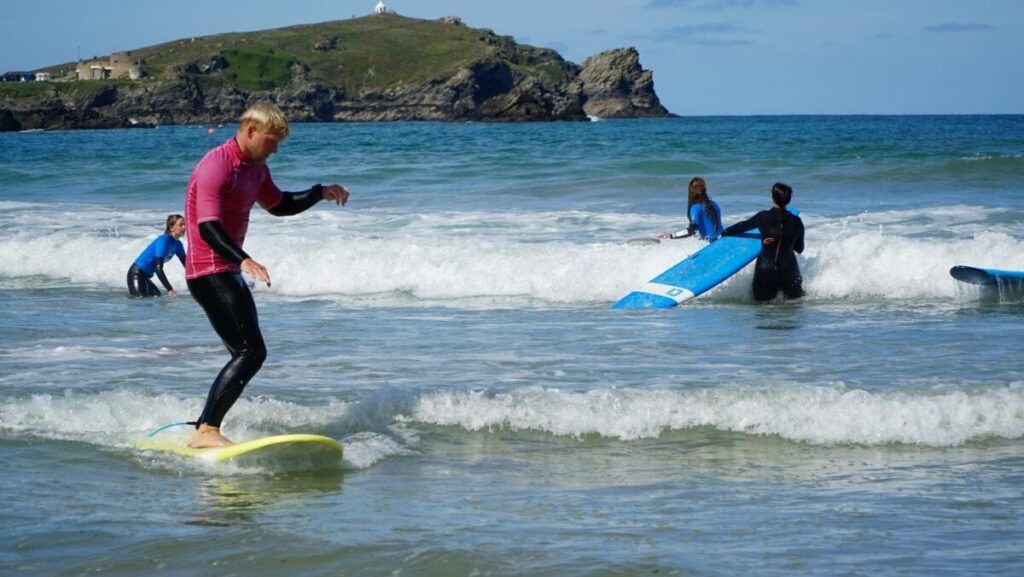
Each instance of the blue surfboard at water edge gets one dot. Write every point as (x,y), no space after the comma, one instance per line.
(697,273)
(991,277)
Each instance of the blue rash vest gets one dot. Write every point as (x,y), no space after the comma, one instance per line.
(708,228)
(162,249)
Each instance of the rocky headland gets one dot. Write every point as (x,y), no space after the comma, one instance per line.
(378,68)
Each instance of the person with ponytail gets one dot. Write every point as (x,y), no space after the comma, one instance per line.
(704,215)
(782,237)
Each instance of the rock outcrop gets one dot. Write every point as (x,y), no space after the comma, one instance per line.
(616,86)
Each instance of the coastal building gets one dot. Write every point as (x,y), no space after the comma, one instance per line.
(380,8)
(119,65)
(43,77)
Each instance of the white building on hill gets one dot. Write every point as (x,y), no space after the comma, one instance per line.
(380,8)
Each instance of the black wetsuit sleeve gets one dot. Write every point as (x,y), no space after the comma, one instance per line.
(160,275)
(741,227)
(798,242)
(296,202)
(213,234)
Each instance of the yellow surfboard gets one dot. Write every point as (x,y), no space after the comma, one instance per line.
(277,448)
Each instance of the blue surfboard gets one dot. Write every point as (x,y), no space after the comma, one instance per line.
(990,277)
(697,273)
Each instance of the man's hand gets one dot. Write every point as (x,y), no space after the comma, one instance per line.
(337,193)
(255,270)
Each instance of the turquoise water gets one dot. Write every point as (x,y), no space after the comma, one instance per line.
(451,327)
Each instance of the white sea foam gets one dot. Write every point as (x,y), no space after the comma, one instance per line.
(384,424)
(552,257)
(811,414)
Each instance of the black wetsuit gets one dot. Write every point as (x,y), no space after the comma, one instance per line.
(228,303)
(782,236)
(139,285)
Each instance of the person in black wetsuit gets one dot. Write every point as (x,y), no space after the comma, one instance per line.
(782,236)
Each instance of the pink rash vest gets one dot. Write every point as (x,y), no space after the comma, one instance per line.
(223,187)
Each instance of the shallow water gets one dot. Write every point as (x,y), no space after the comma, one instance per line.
(451,327)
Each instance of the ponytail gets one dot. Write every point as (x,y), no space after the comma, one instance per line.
(709,207)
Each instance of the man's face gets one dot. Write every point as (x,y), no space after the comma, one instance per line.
(262,144)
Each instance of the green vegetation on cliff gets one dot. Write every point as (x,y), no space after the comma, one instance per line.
(258,69)
(362,54)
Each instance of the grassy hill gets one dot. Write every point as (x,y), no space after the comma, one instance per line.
(371,53)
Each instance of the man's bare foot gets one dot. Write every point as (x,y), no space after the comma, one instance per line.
(207,437)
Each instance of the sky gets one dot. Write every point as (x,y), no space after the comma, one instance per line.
(709,57)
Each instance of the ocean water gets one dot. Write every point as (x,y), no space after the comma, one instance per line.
(451,328)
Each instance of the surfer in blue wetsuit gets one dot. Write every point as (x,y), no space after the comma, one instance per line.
(782,236)
(704,215)
(151,261)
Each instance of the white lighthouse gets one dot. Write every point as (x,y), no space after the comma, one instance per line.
(380,8)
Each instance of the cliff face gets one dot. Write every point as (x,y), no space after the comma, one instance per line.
(509,83)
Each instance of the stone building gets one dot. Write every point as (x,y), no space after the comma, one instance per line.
(119,65)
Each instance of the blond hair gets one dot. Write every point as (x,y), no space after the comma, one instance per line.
(265,117)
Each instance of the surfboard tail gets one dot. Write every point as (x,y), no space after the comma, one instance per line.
(654,296)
